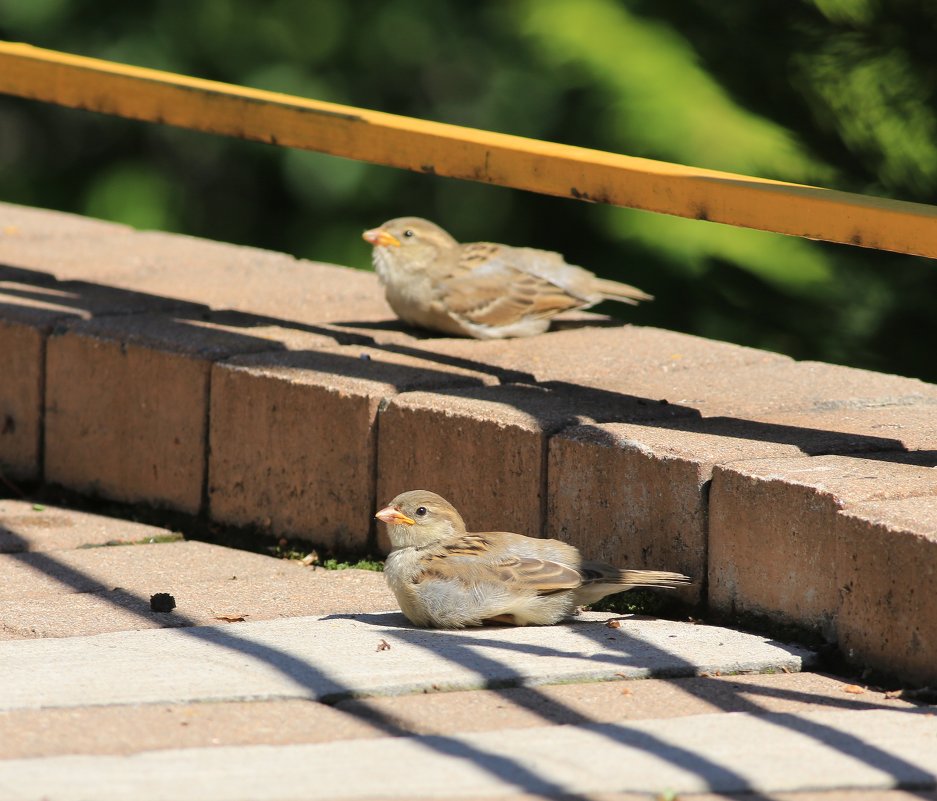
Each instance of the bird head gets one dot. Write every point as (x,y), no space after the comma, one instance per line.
(421,241)
(420,517)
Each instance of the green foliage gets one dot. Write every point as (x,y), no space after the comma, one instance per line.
(360,564)
(638,602)
(839,93)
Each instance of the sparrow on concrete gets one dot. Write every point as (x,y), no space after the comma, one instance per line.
(444,577)
(480,289)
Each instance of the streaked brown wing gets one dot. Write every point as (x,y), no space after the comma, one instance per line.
(493,292)
(474,559)
(541,575)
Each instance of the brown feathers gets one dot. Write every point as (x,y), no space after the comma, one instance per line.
(480,289)
(446,577)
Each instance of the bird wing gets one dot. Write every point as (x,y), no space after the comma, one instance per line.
(542,575)
(475,559)
(488,288)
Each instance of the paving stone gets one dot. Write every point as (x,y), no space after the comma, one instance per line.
(344,655)
(713,378)
(148,727)
(776,546)
(704,753)
(484,449)
(25,526)
(33,241)
(28,313)
(223,276)
(132,568)
(607,702)
(92,591)
(911,427)
(200,602)
(759,390)
(637,493)
(32,222)
(770,387)
(602,357)
(26,733)
(293,438)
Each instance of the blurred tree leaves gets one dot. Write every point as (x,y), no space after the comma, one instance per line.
(839,93)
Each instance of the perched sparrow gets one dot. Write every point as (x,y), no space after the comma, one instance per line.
(446,578)
(480,289)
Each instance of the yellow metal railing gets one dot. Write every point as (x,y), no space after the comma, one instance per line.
(467,153)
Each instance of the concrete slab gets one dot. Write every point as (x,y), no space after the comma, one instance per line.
(877,749)
(338,656)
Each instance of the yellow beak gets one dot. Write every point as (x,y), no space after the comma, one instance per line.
(393,516)
(380,238)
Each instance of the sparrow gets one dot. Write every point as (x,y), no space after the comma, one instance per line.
(480,289)
(444,577)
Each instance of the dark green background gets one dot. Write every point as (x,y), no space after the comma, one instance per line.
(839,93)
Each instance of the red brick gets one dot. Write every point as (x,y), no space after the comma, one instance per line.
(28,313)
(127,404)
(888,617)
(637,494)
(485,449)
(293,438)
(21,359)
(774,547)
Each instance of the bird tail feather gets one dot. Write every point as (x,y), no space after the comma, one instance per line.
(625,293)
(650,578)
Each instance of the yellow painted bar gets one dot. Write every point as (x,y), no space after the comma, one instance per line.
(457,152)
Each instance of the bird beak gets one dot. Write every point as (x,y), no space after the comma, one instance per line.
(380,238)
(393,516)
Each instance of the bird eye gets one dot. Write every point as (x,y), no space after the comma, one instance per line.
(421,511)
(408,233)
